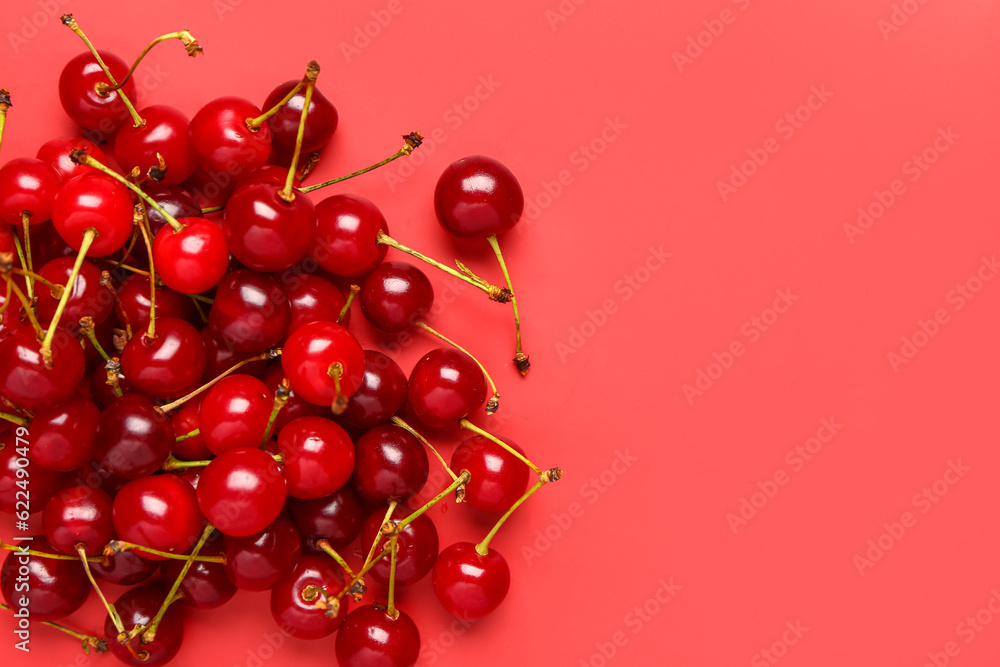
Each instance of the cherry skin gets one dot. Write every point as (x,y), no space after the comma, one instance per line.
(295,407)
(321,120)
(55,153)
(381,394)
(166,134)
(177,202)
(98,201)
(234,413)
(134,297)
(347,235)
(44,483)
(395,295)
(417,542)
(318,457)
(469,585)
(80,99)
(310,353)
(101,393)
(498,477)
(445,385)
(250,311)
(269,173)
(78,515)
(169,365)
(222,355)
(258,561)
(7,240)
(133,438)
(25,380)
(159,512)
(93,474)
(223,142)
(54,588)
(390,463)
(62,438)
(88,298)
(369,637)
(137,607)
(314,299)
(125,568)
(194,259)
(186,420)
(298,616)
(27,185)
(478,196)
(265,232)
(205,586)
(242,491)
(336,518)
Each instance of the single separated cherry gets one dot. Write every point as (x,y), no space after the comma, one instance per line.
(469,584)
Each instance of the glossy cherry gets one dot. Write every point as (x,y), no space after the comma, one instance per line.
(347,235)
(137,607)
(390,463)
(101,393)
(224,144)
(314,299)
(165,134)
(25,380)
(265,232)
(309,358)
(43,482)
(191,260)
(27,185)
(381,394)
(242,491)
(269,173)
(222,355)
(470,585)
(79,97)
(445,385)
(88,298)
(125,568)
(169,365)
(498,477)
(478,196)
(395,295)
(179,203)
(417,542)
(98,201)
(55,153)
(295,407)
(256,562)
(186,420)
(54,588)
(297,615)
(160,512)
(369,637)
(79,515)
(133,296)
(234,413)
(336,518)
(205,586)
(133,438)
(62,438)
(250,311)
(318,457)
(321,120)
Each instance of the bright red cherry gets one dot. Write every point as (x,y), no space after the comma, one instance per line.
(336,518)
(417,542)
(381,394)
(224,143)
(25,380)
(298,616)
(55,153)
(78,515)
(323,362)
(390,463)
(468,584)
(191,260)
(265,232)
(27,185)
(165,135)
(256,562)
(395,295)
(186,420)
(137,607)
(205,586)
(478,196)
(369,637)
(321,120)
(250,311)
(79,96)
(242,491)
(43,482)
(159,512)
(62,438)
(347,235)
(498,477)
(234,413)
(318,457)
(314,299)
(98,201)
(133,438)
(134,297)
(88,298)
(54,588)
(169,365)
(445,386)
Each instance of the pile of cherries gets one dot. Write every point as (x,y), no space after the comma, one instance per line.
(181,396)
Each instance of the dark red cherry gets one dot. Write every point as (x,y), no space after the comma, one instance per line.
(88,298)
(314,299)
(256,562)
(295,407)
(25,380)
(390,463)
(369,637)
(223,142)
(80,99)
(194,259)
(134,297)
(165,134)
(468,584)
(27,185)
(55,153)
(159,512)
(381,394)
(321,120)
(177,202)
(265,232)
(498,477)
(95,475)
(234,413)
(133,438)
(242,491)
(418,546)
(250,311)
(125,568)
(298,616)
(168,366)
(478,196)
(62,438)
(347,235)
(336,518)
(395,295)
(137,607)
(46,244)
(42,483)
(318,457)
(186,420)
(54,588)
(309,356)
(445,386)
(222,355)
(205,586)
(101,393)
(98,201)
(78,515)
(7,240)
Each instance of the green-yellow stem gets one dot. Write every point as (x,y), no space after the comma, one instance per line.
(469,426)
(393,552)
(29,277)
(142,221)
(402,424)
(483,547)
(88,240)
(150,632)
(118,546)
(45,554)
(112,612)
(413,140)
(463,478)
(270,354)
(190,43)
(255,123)
(80,156)
(332,553)
(520,358)
(351,295)
(4,105)
(494,403)
(287,194)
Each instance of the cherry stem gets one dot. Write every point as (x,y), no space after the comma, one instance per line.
(469,426)
(351,295)
(25,304)
(312,71)
(150,632)
(106,282)
(520,358)
(494,403)
(118,546)
(397,420)
(30,280)
(393,550)
(115,618)
(45,554)
(173,463)
(330,551)
(350,585)
(128,250)
(89,641)
(141,221)
(24,264)
(114,368)
(88,240)
(254,124)
(378,538)
(281,395)
(336,371)
(6,299)
(263,356)
(187,436)
(498,294)
(190,43)
(203,299)
(55,288)
(463,478)
(79,156)
(70,23)
(14,419)
(212,209)
(483,547)
(4,105)
(412,141)
(87,331)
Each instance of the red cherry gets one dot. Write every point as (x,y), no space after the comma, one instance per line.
(133,438)
(7,242)
(418,546)
(43,482)
(186,420)
(265,232)
(101,393)
(165,134)
(54,588)
(177,202)
(80,99)
(318,457)
(222,355)
(62,438)
(224,143)
(295,407)
(25,380)
(395,295)
(369,637)
(445,386)
(98,201)
(347,235)
(498,477)
(78,515)
(125,568)
(336,518)
(478,196)
(312,351)
(314,299)
(137,607)
(88,298)
(321,119)
(242,491)
(269,173)
(191,260)
(55,153)
(159,512)
(390,463)
(256,562)
(205,586)
(169,365)
(298,616)
(134,297)
(381,394)
(27,185)
(234,413)
(470,585)
(250,311)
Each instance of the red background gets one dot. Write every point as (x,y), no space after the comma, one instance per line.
(610,358)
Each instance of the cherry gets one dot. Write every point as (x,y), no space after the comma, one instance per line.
(175,201)
(417,542)
(88,298)
(138,607)
(242,491)
(27,185)
(7,240)
(269,173)
(498,477)
(318,457)
(381,394)
(256,562)
(91,111)
(192,259)
(169,365)
(347,235)
(336,518)
(369,637)
(125,568)
(266,232)
(159,512)
(165,135)
(93,201)
(395,295)
(93,474)
(314,299)
(390,463)
(101,393)
(250,311)
(27,382)
(54,588)
(43,482)
(295,407)
(222,356)
(468,584)
(133,439)
(299,616)
(477,197)
(186,420)
(223,142)
(62,438)
(205,586)
(323,362)
(133,303)
(79,515)
(234,413)
(445,385)
(321,119)
(55,153)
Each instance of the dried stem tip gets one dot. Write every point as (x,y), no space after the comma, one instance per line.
(312,71)
(413,140)
(190,43)
(5,102)
(78,156)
